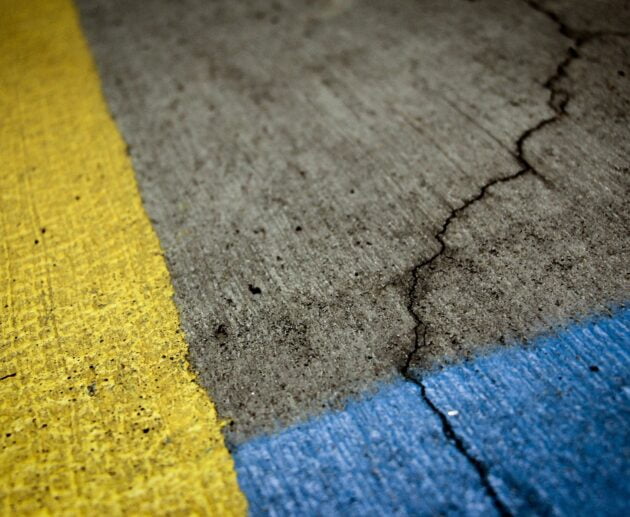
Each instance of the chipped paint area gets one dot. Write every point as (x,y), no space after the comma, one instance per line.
(99,410)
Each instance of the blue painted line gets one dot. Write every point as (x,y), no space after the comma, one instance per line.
(385,455)
(550,421)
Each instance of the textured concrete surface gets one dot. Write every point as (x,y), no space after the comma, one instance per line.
(551,243)
(542,430)
(345,190)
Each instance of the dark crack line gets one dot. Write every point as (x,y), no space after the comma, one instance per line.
(579,37)
(8,376)
(557,102)
(421,340)
(458,442)
(447,429)
(439,237)
(559,97)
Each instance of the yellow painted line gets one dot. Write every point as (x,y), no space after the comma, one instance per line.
(99,411)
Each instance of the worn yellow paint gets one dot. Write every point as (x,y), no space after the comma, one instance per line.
(99,411)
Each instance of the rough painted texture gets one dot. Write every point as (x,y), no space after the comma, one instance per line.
(303,164)
(551,422)
(542,430)
(385,455)
(99,411)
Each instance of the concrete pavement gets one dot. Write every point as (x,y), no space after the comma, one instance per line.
(350,190)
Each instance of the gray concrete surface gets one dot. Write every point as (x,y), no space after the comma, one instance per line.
(530,254)
(349,190)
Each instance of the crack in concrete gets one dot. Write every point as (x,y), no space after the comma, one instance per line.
(579,37)
(480,467)
(558,97)
(557,102)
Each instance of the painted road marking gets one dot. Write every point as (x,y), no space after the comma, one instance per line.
(385,455)
(548,421)
(99,411)
(552,421)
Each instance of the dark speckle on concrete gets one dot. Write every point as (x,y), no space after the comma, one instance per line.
(253,289)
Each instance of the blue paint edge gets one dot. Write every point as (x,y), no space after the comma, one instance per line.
(387,453)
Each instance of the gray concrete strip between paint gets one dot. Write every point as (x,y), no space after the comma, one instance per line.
(348,190)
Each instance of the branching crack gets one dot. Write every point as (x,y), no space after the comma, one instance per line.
(557,102)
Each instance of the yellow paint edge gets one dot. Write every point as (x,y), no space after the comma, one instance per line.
(99,411)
